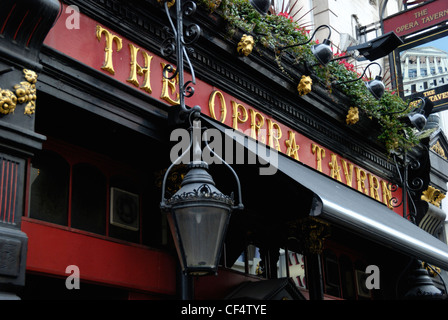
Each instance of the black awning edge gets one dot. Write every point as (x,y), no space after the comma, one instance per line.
(355,211)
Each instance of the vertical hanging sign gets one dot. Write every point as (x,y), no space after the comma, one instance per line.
(421,63)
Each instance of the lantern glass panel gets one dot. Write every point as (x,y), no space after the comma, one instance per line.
(201,230)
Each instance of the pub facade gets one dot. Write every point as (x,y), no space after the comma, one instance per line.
(331,211)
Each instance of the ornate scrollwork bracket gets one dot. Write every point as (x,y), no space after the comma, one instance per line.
(178,42)
(411,187)
(203,191)
(394,202)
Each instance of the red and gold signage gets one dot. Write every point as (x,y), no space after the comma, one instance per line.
(417,19)
(123,60)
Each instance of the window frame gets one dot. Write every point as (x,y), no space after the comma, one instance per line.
(111,169)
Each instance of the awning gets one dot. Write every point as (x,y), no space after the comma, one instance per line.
(350,209)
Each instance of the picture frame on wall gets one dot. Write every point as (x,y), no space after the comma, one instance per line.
(124,209)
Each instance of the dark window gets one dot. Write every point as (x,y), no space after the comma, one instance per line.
(89,198)
(331,273)
(49,178)
(347,278)
(80,189)
(344,277)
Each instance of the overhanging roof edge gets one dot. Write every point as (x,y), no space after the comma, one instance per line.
(357,212)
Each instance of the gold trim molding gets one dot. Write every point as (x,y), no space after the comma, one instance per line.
(25,92)
(246,45)
(174,180)
(437,148)
(433,196)
(311,233)
(304,86)
(170,3)
(432,270)
(352,115)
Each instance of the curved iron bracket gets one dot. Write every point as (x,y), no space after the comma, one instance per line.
(177,43)
(195,144)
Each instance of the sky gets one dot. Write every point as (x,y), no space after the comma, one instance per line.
(441,43)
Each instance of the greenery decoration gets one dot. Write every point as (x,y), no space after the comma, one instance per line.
(277,30)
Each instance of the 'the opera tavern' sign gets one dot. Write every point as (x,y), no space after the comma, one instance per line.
(421,63)
(116,56)
(416,19)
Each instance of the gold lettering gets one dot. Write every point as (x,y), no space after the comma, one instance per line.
(335,169)
(236,107)
(320,154)
(293,148)
(429,93)
(137,69)
(374,186)
(439,96)
(421,13)
(274,138)
(435,16)
(387,194)
(211,105)
(361,176)
(407,26)
(110,39)
(348,172)
(256,122)
(167,86)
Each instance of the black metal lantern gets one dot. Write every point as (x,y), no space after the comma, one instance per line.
(321,51)
(420,285)
(262,6)
(376,86)
(417,118)
(198,214)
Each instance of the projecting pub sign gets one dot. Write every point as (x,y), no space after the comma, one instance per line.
(421,63)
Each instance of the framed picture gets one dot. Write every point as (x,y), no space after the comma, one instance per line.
(361,284)
(124,209)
